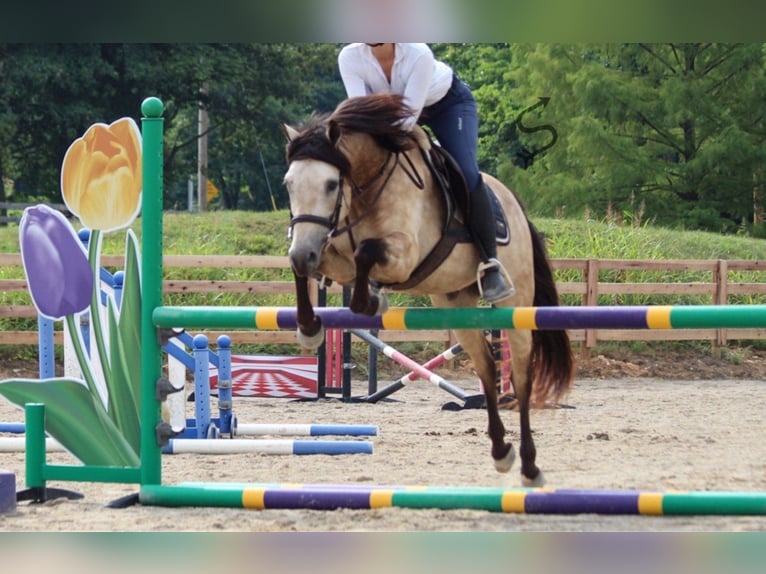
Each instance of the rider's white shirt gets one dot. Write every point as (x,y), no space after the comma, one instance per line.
(415,74)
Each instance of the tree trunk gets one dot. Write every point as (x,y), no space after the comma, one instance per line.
(202,152)
(758,211)
(3,198)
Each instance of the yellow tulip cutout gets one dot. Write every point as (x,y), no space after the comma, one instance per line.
(101,175)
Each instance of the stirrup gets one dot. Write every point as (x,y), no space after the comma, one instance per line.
(494,263)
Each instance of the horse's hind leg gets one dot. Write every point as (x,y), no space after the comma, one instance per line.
(476,345)
(520,342)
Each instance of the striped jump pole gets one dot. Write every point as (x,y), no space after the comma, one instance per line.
(19,444)
(227,446)
(415,367)
(266,446)
(287,429)
(485,318)
(12,428)
(400,383)
(529,501)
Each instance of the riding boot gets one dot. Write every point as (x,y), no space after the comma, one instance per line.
(494,282)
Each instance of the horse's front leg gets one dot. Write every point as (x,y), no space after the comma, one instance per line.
(369,253)
(310,329)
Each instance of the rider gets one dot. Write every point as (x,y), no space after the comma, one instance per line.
(446,105)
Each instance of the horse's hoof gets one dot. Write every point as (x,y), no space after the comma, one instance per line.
(504,464)
(311,341)
(535,482)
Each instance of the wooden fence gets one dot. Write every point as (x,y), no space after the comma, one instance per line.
(584,282)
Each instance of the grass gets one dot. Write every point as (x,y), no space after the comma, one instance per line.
(265,233)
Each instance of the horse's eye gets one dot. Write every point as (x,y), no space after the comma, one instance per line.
(331,186)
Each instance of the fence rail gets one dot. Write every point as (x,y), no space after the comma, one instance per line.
(580,281)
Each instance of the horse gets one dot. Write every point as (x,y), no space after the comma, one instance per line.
(367,210)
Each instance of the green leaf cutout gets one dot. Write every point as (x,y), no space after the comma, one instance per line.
(72,418)
(130,317)
(125,350)
(122,405)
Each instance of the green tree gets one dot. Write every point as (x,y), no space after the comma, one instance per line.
(270,85)
(487,69)
(53,92)
(671,132)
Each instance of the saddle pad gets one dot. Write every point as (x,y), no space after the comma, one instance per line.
(502,231)
(450,178)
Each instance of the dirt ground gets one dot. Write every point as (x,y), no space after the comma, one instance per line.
(652,422)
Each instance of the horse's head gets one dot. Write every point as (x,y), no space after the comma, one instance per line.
(313,181)
(351,145)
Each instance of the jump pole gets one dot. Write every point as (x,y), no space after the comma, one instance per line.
(660,317)
(267,446)
(492,499)
(400,383)
(414,366)
(18,444)
(297,429)
(232,446)
(12,428)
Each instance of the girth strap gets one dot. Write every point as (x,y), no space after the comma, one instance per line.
(454,233)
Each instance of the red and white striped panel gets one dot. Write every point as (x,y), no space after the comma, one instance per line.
(275,376)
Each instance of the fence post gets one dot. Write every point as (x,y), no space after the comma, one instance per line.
(721,296)
(590,298)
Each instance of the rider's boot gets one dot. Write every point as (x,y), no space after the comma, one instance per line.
(494,282)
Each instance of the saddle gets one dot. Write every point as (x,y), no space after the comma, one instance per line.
(454,192)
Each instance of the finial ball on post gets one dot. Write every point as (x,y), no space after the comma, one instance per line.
(152,107)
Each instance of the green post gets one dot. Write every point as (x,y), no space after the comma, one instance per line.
(151,279)
(34,417)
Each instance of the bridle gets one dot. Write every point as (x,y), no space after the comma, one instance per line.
(358,191)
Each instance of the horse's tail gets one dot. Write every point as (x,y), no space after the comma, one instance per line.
(552,363)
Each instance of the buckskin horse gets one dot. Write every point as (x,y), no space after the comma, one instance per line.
(369,208)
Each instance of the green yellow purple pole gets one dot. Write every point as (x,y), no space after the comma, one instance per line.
(151,280)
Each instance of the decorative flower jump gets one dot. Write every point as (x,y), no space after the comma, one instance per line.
(101,185)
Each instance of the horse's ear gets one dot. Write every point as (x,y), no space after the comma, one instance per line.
(290,132)
(333,132)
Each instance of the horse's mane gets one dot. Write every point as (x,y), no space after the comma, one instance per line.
(313,143)
(378,115)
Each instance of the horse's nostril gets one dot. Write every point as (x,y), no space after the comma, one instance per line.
(303,262)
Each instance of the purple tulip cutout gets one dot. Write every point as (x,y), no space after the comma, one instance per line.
(55,262)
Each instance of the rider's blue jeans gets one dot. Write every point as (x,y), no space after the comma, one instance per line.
(454,121)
